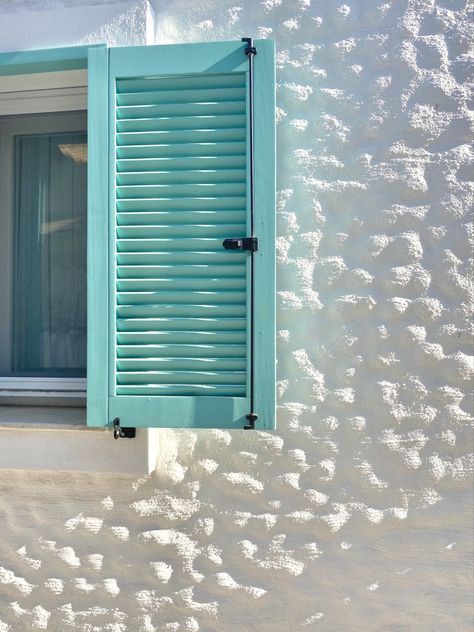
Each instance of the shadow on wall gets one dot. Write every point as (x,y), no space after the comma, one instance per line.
(204,547)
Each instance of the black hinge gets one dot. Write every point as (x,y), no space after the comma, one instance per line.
(246,243)
(120,433)
(251,418)
(250,48)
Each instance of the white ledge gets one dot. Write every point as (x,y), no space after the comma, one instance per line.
(29,417)
(43,438)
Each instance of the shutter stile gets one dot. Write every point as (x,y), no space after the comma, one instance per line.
(181,300)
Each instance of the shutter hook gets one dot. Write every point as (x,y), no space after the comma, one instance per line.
(119,432)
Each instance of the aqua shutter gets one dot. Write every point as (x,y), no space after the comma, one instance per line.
(178,303)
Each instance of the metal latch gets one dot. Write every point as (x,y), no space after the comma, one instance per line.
(245,243)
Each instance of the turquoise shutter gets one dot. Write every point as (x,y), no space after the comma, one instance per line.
(178,306)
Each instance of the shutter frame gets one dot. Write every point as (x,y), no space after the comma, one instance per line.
(182,411)
(265,230)
(97,236)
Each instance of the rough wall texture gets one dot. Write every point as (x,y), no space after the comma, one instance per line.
(357,513)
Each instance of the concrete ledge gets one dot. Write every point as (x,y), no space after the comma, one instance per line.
(58,439)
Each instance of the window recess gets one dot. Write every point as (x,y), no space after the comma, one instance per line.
(43,215)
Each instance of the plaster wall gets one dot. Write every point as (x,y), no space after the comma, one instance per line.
(357,513)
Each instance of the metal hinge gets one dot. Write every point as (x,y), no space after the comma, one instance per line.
(120,433)
(245,243)
(250,48)
(251,418)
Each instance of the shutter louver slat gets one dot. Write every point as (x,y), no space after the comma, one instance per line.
(181,300)
(187,271)
(197,149)
(181,136)
(175,123)
(198,351)
(209,83)
(197,311)
(198,176)
(207,94)
(180,324)
(150,218)
(174,110)
(220,189)
(194,284)
(182,204)
(227,390)
(183,230)
(228,161)
(195,378)
(180,297)
(182,364)
(170,258)
(181,337)
(197,244)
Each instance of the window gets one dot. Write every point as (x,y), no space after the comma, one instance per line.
(180,328)
(43,214)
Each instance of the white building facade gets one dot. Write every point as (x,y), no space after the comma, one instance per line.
(356,514)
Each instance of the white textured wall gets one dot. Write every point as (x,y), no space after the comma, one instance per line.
(357,513)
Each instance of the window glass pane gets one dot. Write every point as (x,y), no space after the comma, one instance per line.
(49,254)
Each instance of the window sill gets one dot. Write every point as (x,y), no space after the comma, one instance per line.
(43,417)
(53,438)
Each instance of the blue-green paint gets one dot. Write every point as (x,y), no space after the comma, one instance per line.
(97,237)
(45,60)
(180,412)
(265,187)
(167,82)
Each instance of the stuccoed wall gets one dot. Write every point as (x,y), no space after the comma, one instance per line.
(357,513)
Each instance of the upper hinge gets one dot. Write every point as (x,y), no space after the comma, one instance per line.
(250,49)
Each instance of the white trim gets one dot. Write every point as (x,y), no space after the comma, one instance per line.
(58,439)
(43,387)
(43,92)
(45,383)
(59,100)
(44,81)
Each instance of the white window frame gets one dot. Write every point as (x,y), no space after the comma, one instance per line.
(55,92)
(60,91)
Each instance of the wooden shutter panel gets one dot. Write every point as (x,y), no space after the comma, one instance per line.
(178,304)
(181,298)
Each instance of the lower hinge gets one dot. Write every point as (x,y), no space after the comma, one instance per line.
(252,418)
(122,433)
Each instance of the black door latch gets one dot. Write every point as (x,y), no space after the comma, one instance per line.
(245,243)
